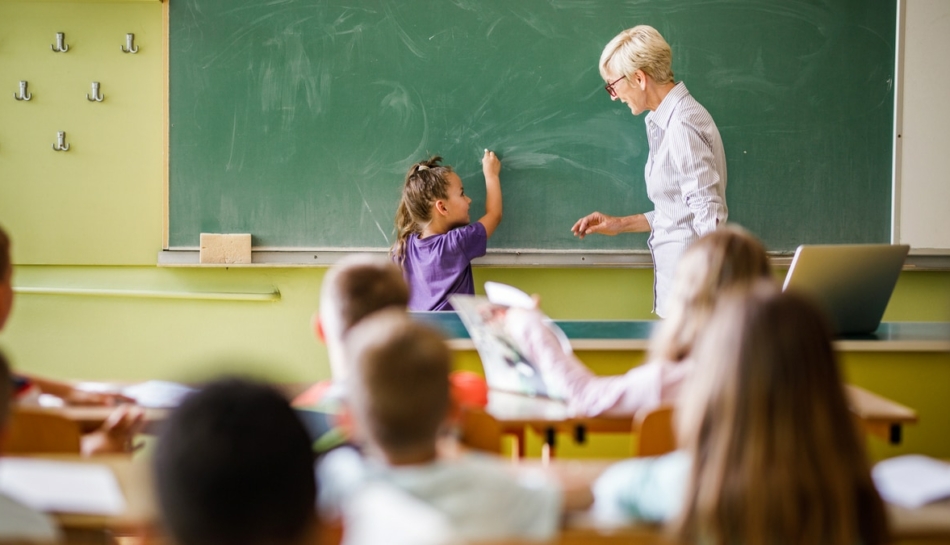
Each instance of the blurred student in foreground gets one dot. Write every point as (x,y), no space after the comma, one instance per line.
(116,434)
(770,454)
(233,466)
(400,397)
(727,258)
(19,523)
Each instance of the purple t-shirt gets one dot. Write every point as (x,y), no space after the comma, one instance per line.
(440,265)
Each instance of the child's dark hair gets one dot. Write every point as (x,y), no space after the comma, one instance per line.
(426,182)
(6,390)
(234,466)
(4,253)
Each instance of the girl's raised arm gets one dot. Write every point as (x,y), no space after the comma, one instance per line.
(491,166)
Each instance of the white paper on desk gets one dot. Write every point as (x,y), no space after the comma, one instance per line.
(157,394)
(912,481)
(62,487)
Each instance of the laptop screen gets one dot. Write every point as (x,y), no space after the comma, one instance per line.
(853,282)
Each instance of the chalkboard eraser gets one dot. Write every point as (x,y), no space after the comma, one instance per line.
(225,249)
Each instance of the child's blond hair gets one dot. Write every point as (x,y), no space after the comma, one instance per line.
(728,257)
(355,287)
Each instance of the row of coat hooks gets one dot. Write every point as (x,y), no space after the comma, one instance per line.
(61,47)
(25,94)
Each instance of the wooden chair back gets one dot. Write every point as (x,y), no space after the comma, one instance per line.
(654,432)
(479,430)
(33,431)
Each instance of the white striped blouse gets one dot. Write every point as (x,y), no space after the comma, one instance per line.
(686,181)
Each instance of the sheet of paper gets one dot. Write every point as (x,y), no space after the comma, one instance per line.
(62,487)
(157,394)
(912,481)
(510,296)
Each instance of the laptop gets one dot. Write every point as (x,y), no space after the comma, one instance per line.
(853,282)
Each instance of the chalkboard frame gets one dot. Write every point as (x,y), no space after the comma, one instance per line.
(636,257)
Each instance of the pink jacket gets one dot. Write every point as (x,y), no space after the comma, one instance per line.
(644,387)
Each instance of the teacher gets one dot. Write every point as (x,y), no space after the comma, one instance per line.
(685,173)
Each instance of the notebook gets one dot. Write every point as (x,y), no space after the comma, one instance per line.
(506,368)
(853,282)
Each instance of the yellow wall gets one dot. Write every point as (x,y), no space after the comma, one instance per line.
(91,218)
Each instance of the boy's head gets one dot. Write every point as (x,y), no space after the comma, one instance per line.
(354,288)
(233,466)
(399,391)
(6,278)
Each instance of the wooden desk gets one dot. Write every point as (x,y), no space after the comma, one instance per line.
(547,417)
(133,478)
(90,418)
(931,523)
(878,415)
(514,413)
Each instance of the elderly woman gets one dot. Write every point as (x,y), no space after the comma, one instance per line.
(685,172)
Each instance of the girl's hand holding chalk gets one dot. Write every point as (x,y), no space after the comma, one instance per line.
(491,166)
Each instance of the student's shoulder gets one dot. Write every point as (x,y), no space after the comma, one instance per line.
(650,488)
(472,231)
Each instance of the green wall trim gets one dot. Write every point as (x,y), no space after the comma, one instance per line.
(151,294)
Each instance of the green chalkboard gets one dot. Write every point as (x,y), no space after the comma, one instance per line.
(295,120)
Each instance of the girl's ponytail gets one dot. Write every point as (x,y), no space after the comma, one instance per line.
(405,227)
(426,182)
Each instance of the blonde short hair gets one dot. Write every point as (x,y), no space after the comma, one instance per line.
(357,286)
(638,48)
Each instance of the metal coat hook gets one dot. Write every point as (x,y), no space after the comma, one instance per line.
(96,95)
(128,48)
(61,144)
(60,46)
(23,94)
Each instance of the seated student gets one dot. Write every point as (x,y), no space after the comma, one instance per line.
(233,466)
(399,396)
(353,288)
(117,432)
(726,258)
(19,523)
(770,451)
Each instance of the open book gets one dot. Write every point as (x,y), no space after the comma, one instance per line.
(506,368)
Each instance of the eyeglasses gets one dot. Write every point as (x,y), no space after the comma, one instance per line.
(610,87)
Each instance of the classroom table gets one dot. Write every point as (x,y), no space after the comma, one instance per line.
(878,415)
(930,523)
(90,417)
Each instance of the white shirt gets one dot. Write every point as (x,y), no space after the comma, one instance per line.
(478,497)
(685,179)
(481,499)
